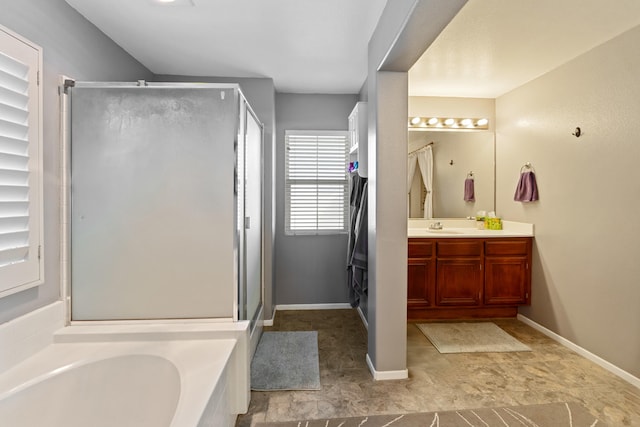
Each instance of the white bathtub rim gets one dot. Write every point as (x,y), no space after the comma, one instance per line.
(63,369)
(239,369)
(28,334)
(196,387)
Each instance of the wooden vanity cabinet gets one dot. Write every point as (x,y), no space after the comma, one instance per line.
(451,278)
(459,272)
(421,273)
(507,272)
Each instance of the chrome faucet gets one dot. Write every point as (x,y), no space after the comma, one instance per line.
(435,226)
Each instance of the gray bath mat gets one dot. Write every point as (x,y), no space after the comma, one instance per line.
(470,338)
(286,361)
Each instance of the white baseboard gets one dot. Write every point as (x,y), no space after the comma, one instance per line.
(330,306)
(386,375)
(582,352)
(289,307)
(269,322)
(364,319)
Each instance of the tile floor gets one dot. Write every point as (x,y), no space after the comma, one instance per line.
(549,373)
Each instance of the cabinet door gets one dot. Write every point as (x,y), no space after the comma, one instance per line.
(459,282)
(421,280)
(421,273)
(506,280)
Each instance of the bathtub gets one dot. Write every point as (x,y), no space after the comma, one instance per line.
(89,379)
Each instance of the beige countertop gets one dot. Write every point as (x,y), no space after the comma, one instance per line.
(465,228)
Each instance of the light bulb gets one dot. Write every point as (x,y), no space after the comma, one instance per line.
(449,122)
(466,122)
(482,122)
(433,121)
(415,120)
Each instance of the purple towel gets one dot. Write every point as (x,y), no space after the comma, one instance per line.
(527,189)
(469,190)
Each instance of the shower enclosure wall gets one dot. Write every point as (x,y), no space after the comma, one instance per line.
(166,202)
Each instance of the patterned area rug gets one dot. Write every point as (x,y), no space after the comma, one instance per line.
(286,361)
(485,337)
(546,415)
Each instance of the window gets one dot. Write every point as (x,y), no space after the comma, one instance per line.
(316,182)
(20,164)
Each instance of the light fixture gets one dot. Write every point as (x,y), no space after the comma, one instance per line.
(448,123)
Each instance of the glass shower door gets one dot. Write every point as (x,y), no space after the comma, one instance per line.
(253,215)
(153,205)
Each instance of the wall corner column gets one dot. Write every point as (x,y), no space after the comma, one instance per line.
(387,156)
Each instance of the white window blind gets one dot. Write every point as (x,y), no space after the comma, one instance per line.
(20,166)
(316,182)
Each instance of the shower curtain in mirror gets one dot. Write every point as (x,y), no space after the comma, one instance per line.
(425,161)
(411,171)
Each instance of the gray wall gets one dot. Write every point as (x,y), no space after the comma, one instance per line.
(404,32)
(308,269)
(585,270)
(260,93)
(74,47)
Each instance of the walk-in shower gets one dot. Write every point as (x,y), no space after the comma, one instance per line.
(165,202)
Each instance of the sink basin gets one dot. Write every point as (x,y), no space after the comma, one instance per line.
(443,231)
(429,231)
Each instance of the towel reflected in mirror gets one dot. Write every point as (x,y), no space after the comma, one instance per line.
(469,190)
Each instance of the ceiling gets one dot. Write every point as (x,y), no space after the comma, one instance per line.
(320,46)
(306,46)
(494,46)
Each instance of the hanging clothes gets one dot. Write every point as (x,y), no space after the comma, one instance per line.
(358,187)
(425,161)
(359,285)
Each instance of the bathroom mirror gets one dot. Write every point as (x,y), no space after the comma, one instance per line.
(456,154)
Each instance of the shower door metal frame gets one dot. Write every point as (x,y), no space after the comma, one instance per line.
(66,200)
(246,110)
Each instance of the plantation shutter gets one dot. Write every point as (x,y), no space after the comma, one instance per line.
(316,182)
(20,167)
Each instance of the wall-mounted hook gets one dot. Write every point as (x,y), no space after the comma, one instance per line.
(451,162)
(527,166)
(577,132)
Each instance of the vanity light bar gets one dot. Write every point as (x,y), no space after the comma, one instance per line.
(446,123)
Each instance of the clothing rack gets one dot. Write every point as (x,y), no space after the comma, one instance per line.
(421,148)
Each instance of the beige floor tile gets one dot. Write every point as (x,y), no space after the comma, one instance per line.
(438,382)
